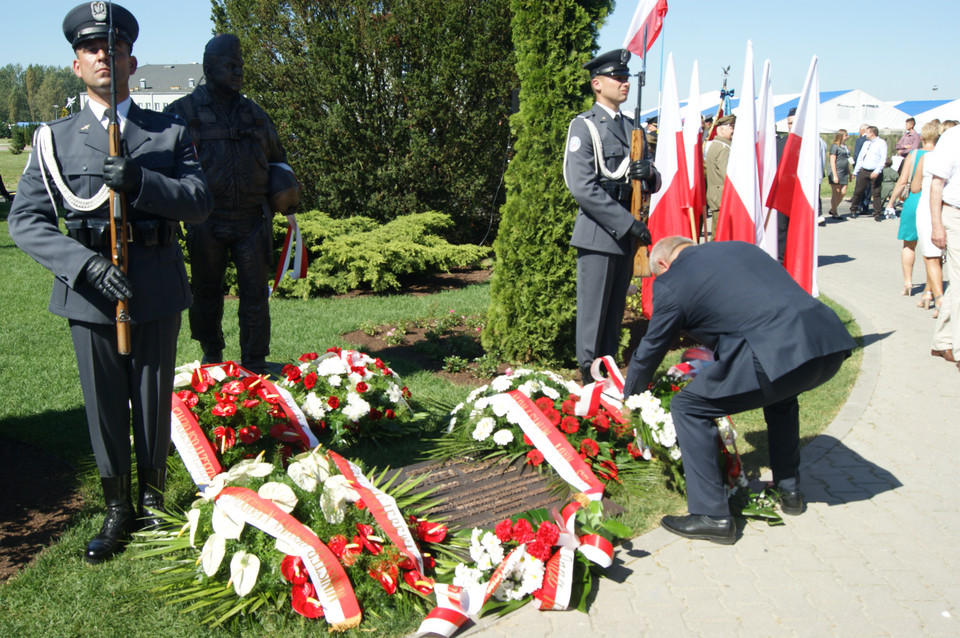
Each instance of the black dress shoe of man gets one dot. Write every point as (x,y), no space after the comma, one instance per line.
(709,528)
(118,522)
(791,502)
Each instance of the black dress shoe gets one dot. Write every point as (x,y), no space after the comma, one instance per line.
(150,503)
(709,528)
(791,501)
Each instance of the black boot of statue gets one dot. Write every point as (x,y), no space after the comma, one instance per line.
(118,522)
(151,497)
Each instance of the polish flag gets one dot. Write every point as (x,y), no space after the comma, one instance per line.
(796,186)
(740,206)
(670,211)
(693,149)
(767,160)
(649,14)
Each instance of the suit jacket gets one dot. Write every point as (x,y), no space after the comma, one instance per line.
(173,188)
(734,299)
(603,224)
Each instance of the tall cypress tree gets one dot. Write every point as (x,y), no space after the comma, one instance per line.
(533,291)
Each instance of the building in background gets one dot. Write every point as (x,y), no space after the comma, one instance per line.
(154,86)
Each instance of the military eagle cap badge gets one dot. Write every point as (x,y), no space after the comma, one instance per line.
(99,11)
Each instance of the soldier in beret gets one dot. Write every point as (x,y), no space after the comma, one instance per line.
(715,162)
(163,184)
(598,171)
(236,141)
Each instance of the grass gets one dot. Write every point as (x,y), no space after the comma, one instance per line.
(41,404)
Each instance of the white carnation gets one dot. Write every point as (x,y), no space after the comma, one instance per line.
(503,437)
(501,384)
(484,429)
(465,576)
(394,393)
(331,366)
(314,406)
(356,407)
(334,381)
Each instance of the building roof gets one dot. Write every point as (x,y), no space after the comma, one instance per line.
(160,78)
(915,107)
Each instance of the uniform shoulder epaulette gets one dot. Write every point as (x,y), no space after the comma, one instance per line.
(591,113)
(62,119)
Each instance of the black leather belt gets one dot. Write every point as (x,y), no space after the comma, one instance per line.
(620,191)
(95,233)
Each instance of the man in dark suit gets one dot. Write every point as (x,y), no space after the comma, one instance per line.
(162,181)
(772,341)
(598,171)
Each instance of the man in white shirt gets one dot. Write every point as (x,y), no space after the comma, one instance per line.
(869,170)
(943,164)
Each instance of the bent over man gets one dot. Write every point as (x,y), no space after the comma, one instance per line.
(163,184)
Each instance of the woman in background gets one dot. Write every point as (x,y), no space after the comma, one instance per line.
(839,174)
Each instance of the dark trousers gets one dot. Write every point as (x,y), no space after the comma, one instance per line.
(249,244)
(693,417)
(602,282)
(115,385)
(862,190)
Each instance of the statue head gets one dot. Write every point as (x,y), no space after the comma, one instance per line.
(223,64)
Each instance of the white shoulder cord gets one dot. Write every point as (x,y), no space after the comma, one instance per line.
(43,141)
(598,153)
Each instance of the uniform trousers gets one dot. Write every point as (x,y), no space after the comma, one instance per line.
(115,385)
(694,414)
(602,282)
(249,243)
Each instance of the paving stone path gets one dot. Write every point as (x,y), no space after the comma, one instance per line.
(876,553)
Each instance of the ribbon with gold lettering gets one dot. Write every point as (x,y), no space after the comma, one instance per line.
(198,454)
(606,390)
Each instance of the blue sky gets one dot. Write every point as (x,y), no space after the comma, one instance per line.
(860,44)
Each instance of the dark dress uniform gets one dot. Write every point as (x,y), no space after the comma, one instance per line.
(170,188)
(236,145)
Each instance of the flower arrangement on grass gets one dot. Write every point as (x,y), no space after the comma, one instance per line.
(263,536)
(243,415)
(348,396)
(481,427)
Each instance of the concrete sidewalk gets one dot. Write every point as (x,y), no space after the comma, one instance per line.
(877,553)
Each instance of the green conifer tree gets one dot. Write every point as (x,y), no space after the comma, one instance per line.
(533,291)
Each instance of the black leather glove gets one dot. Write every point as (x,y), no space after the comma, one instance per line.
(108,279)
(641,169)
(641,232)
(122,174)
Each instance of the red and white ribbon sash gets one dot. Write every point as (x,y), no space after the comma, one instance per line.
(558,572)
(456,604)
(554,446)
(292,248)
(383,507)
(603,390)
(198,454)
(334,591)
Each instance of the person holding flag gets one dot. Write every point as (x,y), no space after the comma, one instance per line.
(598,171)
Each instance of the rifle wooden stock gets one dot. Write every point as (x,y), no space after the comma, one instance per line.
(118,243)
(641,259)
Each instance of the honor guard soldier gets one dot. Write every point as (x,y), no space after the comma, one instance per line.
(598,171)
(237,142)
(161,179)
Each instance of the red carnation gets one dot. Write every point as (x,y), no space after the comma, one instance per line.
(310,380)
(570,424)
(291,372)
(601,423)
(333,402)
(534,457)
(375,414)
(567,407)
(310,356)
(503,530)
(526,439)
(548,533)
(540,550)
(634,451)
(390,414)
(405,392)
(589,447)
(544,403)
(362,387)
(380,364)
(523,531)
(335,350)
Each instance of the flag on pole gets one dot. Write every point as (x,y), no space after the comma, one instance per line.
(670,212)
(740,206)
(693,148)
(767,159)
(649,13)
(796,186)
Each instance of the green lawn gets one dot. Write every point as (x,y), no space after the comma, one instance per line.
(59,595)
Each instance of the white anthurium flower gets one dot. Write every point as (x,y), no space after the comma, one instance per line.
(249,468)
(183,375)
(224,525)
(216,484)
(193,519)
(281,495)
(244,568)
(309,469)
(217,373)
(336,494)
(212,553)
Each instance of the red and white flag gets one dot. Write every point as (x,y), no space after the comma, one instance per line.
(796,186)
(740,206)
(693,148)
(767,160)
(670,211)
(649,14)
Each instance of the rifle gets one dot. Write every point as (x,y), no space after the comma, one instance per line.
(638,148)
(118,202)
